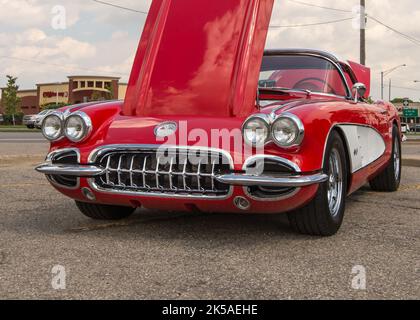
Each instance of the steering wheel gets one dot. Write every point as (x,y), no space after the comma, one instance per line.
(306,84)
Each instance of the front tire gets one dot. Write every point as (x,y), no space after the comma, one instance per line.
(389,180)
(104,212)
(323,216)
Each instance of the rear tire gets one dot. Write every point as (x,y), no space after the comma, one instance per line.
(323,216)
(389,180)
(104,212)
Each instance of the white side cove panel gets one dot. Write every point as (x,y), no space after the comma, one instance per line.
(365,145)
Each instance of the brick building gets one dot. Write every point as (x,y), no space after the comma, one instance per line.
(76,90)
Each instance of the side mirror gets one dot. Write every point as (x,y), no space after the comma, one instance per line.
(359,91)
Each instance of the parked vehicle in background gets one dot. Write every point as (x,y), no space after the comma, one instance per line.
(40,117)
(405,128)
(29,121)
(1,119)
(415,128)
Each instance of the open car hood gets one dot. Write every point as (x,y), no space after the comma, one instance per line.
(199,57)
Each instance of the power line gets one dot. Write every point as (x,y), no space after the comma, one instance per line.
(405,88)
(319,6)
(119,7)
(57,65)
(312,24)
(406,36)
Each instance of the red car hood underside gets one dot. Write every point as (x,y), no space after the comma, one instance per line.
(199,58)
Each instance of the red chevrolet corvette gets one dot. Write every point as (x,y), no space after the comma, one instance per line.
(213,123)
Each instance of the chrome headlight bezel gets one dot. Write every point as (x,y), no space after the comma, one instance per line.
(86,126)
(264,120)
(296,125)
(59,116)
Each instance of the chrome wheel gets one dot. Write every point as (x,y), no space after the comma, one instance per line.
(335,183)
(397,159)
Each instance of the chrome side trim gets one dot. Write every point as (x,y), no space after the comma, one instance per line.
(266,181)
(69,170)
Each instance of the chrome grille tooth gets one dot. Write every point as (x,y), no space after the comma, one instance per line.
(119,171)
(144,172)
(108,167)
(213,175)
(184,175)
(171,184)
(199,176)
(157,173)
(132,184)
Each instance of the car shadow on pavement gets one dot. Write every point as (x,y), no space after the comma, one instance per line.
(66,220)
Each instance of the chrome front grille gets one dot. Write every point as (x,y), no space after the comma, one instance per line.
(172,172)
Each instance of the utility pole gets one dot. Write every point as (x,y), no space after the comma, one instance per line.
(382,85)
(390,86)
(385,73)
(363,32)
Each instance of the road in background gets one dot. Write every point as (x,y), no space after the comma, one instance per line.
(14,144)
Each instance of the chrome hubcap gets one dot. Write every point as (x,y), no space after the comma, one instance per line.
(335,183)
(397,159)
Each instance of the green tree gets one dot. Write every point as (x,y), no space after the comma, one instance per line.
(10,98)
(401,100)
(110,94)
(96,96)
(370,100)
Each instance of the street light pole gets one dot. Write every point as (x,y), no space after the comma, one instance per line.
(382,85)
(385,73)
(390,86)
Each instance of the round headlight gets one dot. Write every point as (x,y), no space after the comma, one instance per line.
(77,127)
(287,131)
(52,127)
(256,131)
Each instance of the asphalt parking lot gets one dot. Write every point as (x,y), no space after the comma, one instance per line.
(198,256)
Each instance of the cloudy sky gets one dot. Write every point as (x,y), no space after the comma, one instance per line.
(100,39)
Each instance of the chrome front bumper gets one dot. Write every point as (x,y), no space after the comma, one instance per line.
(267,181)
(292,181)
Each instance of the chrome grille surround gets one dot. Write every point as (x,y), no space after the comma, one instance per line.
(162,171)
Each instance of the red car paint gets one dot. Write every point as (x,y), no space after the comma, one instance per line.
(205,71)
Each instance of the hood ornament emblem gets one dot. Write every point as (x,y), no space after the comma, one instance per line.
(165,129)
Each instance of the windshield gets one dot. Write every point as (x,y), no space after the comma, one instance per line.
(301,73)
